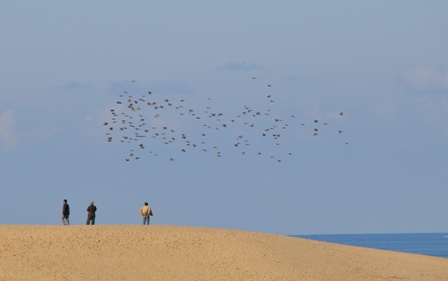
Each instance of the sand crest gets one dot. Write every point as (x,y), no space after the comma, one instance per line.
(128,252)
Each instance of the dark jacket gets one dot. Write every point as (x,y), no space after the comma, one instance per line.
(66,209)
(91,209)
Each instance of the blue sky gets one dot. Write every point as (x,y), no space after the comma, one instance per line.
(383,63)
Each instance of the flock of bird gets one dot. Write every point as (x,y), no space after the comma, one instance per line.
(149,123)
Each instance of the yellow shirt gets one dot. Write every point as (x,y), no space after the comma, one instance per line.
(145,211)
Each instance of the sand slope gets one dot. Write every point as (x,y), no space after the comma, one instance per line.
(126,252)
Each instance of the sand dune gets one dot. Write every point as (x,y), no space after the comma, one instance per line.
(126,252)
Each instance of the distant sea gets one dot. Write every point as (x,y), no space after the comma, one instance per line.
(430,244)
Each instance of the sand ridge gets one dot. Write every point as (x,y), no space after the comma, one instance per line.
(137,252)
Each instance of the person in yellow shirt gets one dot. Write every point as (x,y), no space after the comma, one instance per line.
(145,212)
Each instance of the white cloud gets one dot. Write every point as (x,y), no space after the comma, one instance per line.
(168,88)
(240,66)
(44,132)
(89,118)
(74,86)
(387,109)
(431,109)
(426,78)
(6,128)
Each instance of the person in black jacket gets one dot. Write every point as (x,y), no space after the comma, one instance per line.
(65,213)
(91,214)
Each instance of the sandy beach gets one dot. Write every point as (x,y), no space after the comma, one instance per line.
(128,252)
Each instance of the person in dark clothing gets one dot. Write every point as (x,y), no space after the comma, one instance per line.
(65,213)
(91,214)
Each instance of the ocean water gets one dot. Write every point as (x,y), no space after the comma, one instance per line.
(430,244)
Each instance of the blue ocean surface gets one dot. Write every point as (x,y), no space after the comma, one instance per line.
(430,244)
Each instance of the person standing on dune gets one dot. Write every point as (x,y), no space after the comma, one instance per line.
(91,214)
(145,212)
(65,213)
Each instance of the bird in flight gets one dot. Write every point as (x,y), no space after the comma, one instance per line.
(144,123)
